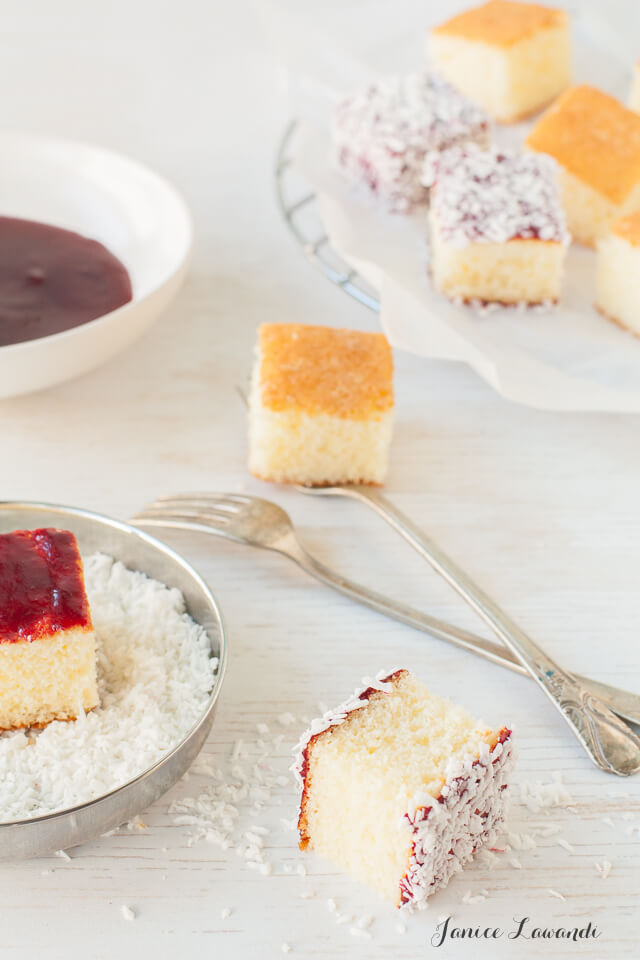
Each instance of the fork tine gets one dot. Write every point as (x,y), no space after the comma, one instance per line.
(193,503)
(185,514)
(207,499)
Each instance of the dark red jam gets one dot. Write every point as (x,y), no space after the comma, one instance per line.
(41,585)
(52,280)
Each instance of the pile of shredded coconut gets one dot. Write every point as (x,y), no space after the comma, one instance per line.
(155,673)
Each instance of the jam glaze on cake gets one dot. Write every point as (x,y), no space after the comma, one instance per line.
(47,643)
(455,812)
(382,135)
(596,142)
(497,227)
(41,585)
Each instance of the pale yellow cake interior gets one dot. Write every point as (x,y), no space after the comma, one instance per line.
(364,773)
(511,58)
(618,273)
(320,406)
(53,678)
(519,271)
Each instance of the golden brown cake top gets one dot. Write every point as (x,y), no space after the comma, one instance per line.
(502,23)
(595,138)
(628,228)
(343,373)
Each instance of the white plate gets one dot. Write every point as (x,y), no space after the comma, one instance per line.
(136,214)
(571,359)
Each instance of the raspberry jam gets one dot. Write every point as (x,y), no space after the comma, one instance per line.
(41,585)
(52,280)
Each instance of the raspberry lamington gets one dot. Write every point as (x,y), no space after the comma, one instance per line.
(47,644)
(497,227)
(382,134)
(400,787)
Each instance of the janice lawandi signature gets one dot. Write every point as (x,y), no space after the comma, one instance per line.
(523,929)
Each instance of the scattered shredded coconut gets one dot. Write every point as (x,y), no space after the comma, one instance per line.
(515,863)
(155,673)
(609,822)
(225,913)
(604,868)
(128,912)
(401,928)
(554,893)
(332,906)
(286,948)
(493,196)
(286,719)
(565,844)
(63,855)
(382,134)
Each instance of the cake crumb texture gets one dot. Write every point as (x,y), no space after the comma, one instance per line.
(628,228)
(399,787)
(321,370)
(502,23)
(595,138)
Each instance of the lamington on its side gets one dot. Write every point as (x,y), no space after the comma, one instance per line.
(382,134)
(47,644)
(497,227)
(400,788)
(596,142)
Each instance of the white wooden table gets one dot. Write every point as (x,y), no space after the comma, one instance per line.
(542,509)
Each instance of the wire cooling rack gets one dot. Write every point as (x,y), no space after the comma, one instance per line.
(297,203)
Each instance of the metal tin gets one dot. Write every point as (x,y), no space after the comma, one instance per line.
(139,551)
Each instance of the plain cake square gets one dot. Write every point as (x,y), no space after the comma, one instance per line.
(618,273)
(596,141)
(496,226)
(47,644)
(382,134)
(512,58)
(320,405)
(400,787)
(634,96)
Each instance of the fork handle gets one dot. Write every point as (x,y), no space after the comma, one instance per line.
(622,702)
(609,742)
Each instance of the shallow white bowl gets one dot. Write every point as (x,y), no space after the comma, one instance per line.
(135,213)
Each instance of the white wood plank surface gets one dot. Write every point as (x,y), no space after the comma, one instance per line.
(541,509)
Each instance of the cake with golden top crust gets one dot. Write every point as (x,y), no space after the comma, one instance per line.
(596,141)
(400,787)
(47,644)
(320,405)
(511,58)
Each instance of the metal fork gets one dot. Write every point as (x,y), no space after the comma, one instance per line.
(258,522)
(610,743)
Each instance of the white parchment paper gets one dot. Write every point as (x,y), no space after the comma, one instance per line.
(567,359)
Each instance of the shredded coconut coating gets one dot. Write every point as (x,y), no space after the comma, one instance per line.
(323,370)
(382,134)
(155,673)
(493,196)
(467,815)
